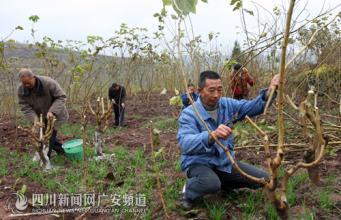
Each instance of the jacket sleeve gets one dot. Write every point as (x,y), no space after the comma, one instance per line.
(185,100)
(249,108)
(59,98)
(190,138)
(249,78)
(27,110)
(109,94)
(123,95)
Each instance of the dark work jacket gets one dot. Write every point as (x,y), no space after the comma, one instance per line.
(119,96)
(46,96)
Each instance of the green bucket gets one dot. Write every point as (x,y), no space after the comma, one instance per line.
(74,149)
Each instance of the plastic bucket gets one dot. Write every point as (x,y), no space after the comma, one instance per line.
(74,149)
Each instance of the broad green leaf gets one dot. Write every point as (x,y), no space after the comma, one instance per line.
(166,2)
(237,4)
(184,7)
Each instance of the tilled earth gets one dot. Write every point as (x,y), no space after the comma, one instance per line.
(140,111)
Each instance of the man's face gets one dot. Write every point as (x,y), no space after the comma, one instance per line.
(28,81)
(211,92)
(116,88)
(191,89)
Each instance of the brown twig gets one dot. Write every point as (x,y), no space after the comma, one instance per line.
(158,182)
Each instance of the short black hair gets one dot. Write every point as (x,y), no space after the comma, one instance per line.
(114,85)
(190,84)
(208,74)
(237,66)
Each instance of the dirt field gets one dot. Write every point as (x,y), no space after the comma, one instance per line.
(134,137)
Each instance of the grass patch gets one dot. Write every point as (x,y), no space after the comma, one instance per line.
(3,162)
(216,211)
(293,183)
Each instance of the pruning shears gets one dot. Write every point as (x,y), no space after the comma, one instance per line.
(230,123)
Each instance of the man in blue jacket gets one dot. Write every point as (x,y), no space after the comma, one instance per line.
(206,165)
(185,99)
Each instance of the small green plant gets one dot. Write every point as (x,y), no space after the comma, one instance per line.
(3,163)
(253,202)
(50,184)
(324,200)
(271,212)
(216,211)
(292,185)
(138,159)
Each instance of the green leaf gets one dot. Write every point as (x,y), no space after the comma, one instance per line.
(233,2)
(19,28)
(166,2)
(159,152)
(271,128)
(204,1)
(238,6)
(23,189)
(184,7)
(34,18)
(210,36)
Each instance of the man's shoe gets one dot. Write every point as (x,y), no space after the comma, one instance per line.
(186,203)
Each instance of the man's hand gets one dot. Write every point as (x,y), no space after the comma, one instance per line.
(122,105)
(50,115)
(273,85)
(222,131)
(36,122)
(274,81)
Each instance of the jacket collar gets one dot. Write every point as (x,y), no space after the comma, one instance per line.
(204,114)
(38,88)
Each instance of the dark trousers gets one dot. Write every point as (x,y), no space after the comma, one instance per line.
(203,180)
(55,144)
(119,114)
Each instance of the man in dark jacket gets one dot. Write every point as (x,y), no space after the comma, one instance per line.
(185,99)
(117,95)
(41,95)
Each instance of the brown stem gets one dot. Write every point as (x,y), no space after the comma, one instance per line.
(158,182)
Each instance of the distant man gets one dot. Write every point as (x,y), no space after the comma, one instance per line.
(240,80)
(117,94)
(43,95)
(185,99)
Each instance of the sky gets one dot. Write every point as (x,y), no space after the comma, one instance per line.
(75,19)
